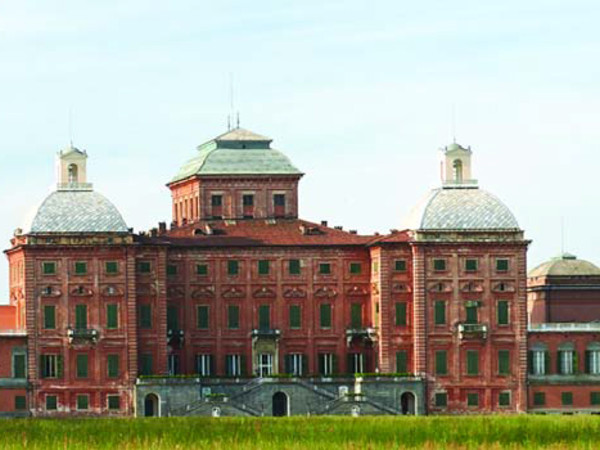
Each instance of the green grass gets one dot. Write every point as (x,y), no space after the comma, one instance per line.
(498,432)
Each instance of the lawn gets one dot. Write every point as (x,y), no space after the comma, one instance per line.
(497,432)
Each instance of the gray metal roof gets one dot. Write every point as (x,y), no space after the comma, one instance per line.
(76,211)
(460,208)
(565,265)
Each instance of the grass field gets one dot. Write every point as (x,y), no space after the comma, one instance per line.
(558,432)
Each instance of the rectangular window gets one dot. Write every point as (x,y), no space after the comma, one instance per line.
(146,364)
(356,315)
(539,362)
(145,316)
(263,267)
(295,364)
(295,317)
(439,312)
(144,267)
(112,366)
(402,361)
(233,365)
(502,265)
(49,268)
(441,399)
(81,317)
(19,365)
(20,402)
(202,319)
(83,401)
(595,398)
(264,317)
(202,269)
(204,365)
(112,316)
(216,200)
(566,398)
(279,199)
(248,200)
(539,398)
(441,362)
(49,317)
(173,365)
(356,363)
(114,402)
(51,366)
(111,267)
(355,268)
(472,399)
(51,403)
(471,265)
(593,362)
(472,362)
(327,364)
(172,318)
(566,362)
(233,267)
(400,314)
(471,314)
(325,315)
(171,270)
(80,268)
(503,362)
(324,268)
(503,312)
(233,317)
(294,267)
(400,265)
(82,366)
(439,265)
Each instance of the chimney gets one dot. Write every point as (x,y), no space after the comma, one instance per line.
(162,228)
(353,232)
(323,223)
(339,227)
(153,232)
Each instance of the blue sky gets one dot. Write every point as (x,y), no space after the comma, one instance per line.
(358,94)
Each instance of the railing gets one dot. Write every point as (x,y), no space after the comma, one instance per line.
(478,330)
(75,186)
(367,333)
(548,327)
(266,332)
(88,334)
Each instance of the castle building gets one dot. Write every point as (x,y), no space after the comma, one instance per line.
(240,307)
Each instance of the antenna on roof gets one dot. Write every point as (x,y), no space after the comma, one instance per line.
(71,126)
(231,97)
(453,123)
(238,119)
(228,122)
(562,235)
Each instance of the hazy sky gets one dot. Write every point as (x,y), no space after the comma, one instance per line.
(358,94)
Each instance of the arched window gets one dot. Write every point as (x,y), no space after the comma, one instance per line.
(73,173)
(457,166)
(592,358)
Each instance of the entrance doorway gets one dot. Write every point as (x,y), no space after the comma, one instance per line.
(265,365)
(407,403)
(151,406)
(280,405)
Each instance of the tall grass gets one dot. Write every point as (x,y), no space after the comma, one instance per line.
(305,433)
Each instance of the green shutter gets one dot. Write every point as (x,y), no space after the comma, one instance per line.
(263,267)
(472,362)
(233,267)
(595,398)
(60,366)
(356,315)
(502,312)
(81,317)
(19,366)
(559,358)
(325,315)
(530,361)
(539,398)
(146,364)
(441,399)
(566,398)
(49,268)
(471,265)
(112,316)
(503,362)
(440,312)
(114,402)
(355,268)
(82,402)
(264,317)
(82,366)
(439,265)
(441,366)
(49,317)
(201,269)
(473,399)
(112,267)
(400,265)
(575,361)
(502,265)
(321,364)
(402,361)
(171,270)
(233,317)
(324,268)
(145,316)
(51,402)
(172,318)
(587,361)
(202,319)
(401,313)
(80,268)
(295,317)
(471,312)
(294,267)
(112,362)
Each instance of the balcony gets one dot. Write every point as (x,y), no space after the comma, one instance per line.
(472,330)
(175,337)
(269,333)
(82,335)
(366,335)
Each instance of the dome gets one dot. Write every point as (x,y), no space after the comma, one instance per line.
(75,211)
(565,265)
(452,208)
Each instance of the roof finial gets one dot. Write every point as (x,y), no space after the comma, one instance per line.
(238,120)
